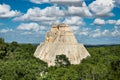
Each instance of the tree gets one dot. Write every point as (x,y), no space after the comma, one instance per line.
(13,46)
(1,40)
(61,61)
(3,50)
(115,65)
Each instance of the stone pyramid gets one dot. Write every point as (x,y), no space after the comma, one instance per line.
(60,40)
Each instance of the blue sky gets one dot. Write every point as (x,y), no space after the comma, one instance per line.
(92,21)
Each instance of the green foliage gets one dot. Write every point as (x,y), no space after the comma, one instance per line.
(1,40)
(104,64)
(18,63)
(3,49)
(115,65)
(62,61)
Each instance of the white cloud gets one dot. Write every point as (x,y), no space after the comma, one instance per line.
(48,23)
(6,12)
(115,22)
(39,1)
(26,33)
(42,27)
(60,2)
(52,14)
(102,7)
(84,31)
(74,21)
(99,21)
(5,30)
(118,22)
(111,21)
(116,31)
(4,8)
(74,28)
(99,33)
(96,33)
(105,33)
(68,2)
(37,14)
(78,11)
(30,26)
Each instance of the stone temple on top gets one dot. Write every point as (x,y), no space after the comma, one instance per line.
(61,40)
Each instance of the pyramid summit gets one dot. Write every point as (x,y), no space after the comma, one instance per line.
(60,40)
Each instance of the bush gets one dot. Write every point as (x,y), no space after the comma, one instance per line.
(62,61)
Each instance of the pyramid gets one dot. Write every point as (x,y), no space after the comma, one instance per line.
(60,40)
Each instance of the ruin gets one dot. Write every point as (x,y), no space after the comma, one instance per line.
(60,40)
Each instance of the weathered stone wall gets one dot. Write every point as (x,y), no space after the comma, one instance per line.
(61,41)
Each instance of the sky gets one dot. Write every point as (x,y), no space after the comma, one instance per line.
(92,21)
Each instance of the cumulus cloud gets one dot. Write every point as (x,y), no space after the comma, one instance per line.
(102,7)
(115,22)
(111,21)
(78,11)
(74,28)
(98,8)
(118,22)
(60,2)
(98,33)
(68,2)
(84,31)
(30,26)
(5,30)
(95,33)
(105,33)
(99,21)
(48,23)
(39,1)
(26,33)
(116,31)
(74,21)
(54,14)
(37,14)
(6,12)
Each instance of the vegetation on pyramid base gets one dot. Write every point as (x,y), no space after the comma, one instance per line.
(61,61)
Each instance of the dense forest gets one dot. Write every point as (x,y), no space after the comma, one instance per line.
(18,63)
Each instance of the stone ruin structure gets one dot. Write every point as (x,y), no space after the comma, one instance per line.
(60,40)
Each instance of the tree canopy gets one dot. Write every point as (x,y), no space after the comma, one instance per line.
(18,63)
